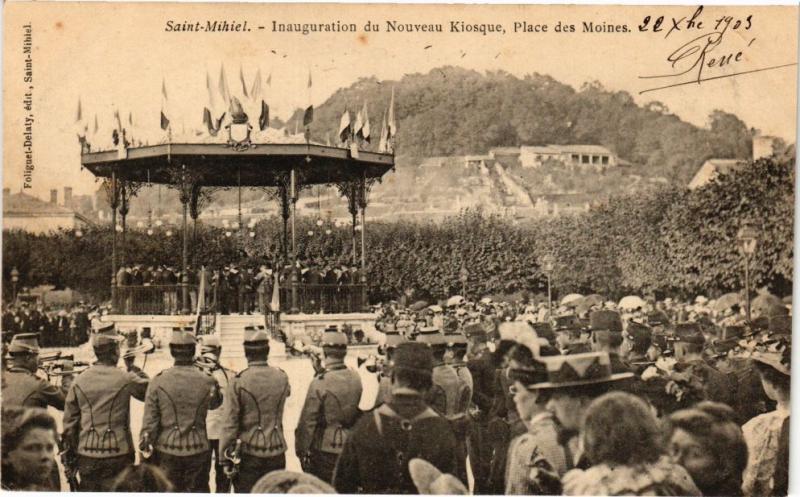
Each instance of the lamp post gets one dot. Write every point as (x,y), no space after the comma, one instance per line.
(747,237)
(547,266)
(14,280)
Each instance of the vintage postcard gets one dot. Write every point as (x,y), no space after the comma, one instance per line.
(426,249)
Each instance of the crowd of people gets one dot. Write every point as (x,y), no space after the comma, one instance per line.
(65,327)
(587,397)
(228,289)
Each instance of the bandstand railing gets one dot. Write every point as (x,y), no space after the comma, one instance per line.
(329,298)
(150,299)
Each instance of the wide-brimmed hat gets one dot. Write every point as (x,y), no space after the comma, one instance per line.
(569,322)
(475,332)
(430,481)
(657,318)
(24,343)
(430,335)
(605,321)
(689,333)
(775,352)
(291,482)
(587,368)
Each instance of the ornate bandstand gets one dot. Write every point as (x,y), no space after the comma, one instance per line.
(196,171)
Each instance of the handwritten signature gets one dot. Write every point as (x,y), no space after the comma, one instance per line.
(703,57)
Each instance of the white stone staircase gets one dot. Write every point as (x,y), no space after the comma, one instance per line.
(230,328)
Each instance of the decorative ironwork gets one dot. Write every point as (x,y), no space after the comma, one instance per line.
(111,189)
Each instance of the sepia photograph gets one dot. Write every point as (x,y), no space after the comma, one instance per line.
(398,248)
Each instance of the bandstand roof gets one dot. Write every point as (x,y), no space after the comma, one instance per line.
(223,166)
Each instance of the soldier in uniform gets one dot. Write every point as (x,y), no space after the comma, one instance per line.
(393,339)
(174,424)
(446,394)
(689,343)
(253,413)
(96,415)
(330,409)
(606,336)
(210,351)
(375,458)
(482,369)
(20,385)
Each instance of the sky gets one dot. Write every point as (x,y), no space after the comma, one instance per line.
(115,56)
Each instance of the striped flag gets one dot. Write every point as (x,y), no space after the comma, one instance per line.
(384,141)
(211,122)
(308,115)
(363,132)
(344,127)
(164,107)
(81,127)
(241,80)
(224,91)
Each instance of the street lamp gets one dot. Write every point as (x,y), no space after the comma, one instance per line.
(748,241)
(14,280)
(547,264)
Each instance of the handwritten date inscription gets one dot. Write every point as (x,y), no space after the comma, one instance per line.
(708,54)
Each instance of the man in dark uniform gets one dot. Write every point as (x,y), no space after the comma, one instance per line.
(330,409)
(481,366)
(20,385)
(253,413)
(96,415)
(445,395)
(606,336)
(689,342)
(174,423)
(375,458)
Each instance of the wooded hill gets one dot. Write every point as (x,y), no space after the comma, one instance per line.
(455,111)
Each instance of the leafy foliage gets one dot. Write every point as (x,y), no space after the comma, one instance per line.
(668,241)
(455,111)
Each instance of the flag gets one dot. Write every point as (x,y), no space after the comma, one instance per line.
(224,92)
(344,127)
(275,302)
(210,121)
(363,131)
(308,116)
(201,293)
(81,127)
(383,144)
(241,79)
(356,131)
(164,102)
(255,101)
(309,78)
(263,120)
(391,126)
(269,80)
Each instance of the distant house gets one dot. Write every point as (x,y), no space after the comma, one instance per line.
(574,155)
(499,153)
(712,168)
(26,212)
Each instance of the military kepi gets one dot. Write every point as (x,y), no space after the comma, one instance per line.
(181,336)
(24,343)
(332,337)
(105,335)
(255,336)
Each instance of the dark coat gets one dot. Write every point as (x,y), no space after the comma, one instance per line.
(375,459)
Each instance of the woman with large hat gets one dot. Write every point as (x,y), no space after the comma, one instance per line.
(772,359)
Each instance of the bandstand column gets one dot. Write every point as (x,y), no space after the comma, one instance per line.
(124,208)
(362,201)
(295,276)
(285,213)
(185,197)
(113,204)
